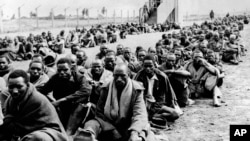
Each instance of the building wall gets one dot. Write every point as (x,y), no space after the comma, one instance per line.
(164,10)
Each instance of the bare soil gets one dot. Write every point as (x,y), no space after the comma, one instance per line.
(203,122)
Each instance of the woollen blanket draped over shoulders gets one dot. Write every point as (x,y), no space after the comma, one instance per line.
(33,112)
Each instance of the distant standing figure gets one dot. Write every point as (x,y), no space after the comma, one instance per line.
(211,15)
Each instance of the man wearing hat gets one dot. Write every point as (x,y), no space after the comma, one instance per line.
(232,51)
(204,78)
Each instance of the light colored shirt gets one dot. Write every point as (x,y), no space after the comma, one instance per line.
(151,81)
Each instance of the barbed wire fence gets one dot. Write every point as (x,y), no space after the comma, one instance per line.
(81,19)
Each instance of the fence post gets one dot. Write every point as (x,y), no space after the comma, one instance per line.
(37,24)
(77,16)
(128,16)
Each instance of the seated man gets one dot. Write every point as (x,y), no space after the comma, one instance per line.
(59,46)
(141,54)
(232,51)
(74,48)
(71,39)
(49,62)
(121,112)
(158,94)
(178,79)
(204,78)
(3,97)
(119,49)
(83,61)
(130,59)
(28,115)
(111,60)
(212,59)
(25,49)
(5,67)
(97,75)
(37,75)
(102,53)
(70,89)
(9,49)
(88,40)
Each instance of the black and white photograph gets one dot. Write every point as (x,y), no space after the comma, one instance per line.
(124,70)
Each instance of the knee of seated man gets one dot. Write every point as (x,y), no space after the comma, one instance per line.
(37,136)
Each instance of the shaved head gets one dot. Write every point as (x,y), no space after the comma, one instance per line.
(121,76)
(97,61)
(120,67)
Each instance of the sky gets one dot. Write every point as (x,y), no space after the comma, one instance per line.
(187,6)
(218,6)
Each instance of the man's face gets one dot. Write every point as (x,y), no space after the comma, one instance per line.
(170,62)
(73,60)
(127,54)
(36,70)
(232,40)
(32,39)
(159,50)
(216,38)
(50,34)
(169,36)
(110,63)
(149,66)
(152,52)
(3,63)
(211,58)
(103,49)
(178,55)
(97,68)
(75,49)
(197,60)
(203,47)
(120,78)
(202,38)
(17,87)
(119,50)
(64,71)
(141,55)
(80,58)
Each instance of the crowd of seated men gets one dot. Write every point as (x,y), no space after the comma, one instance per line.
(120,95)
(23,48)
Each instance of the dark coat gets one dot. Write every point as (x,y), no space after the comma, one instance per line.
(162,90)
(76,90)
(32,113)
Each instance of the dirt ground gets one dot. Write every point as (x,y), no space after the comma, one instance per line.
(202,121)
